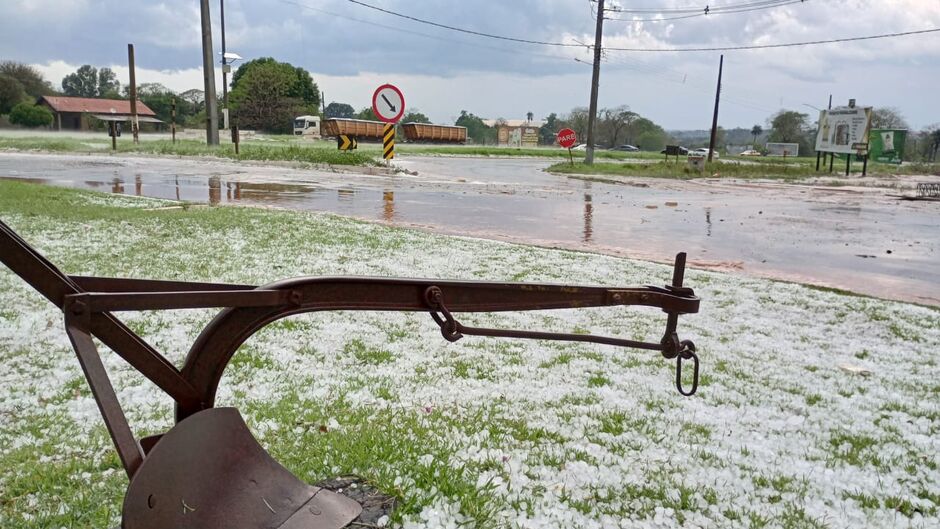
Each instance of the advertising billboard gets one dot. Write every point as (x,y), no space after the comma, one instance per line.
(843,130)
(783,149)
(887,145)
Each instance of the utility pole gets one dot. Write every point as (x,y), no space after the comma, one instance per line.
(135,124)
(592,109)
(711,142)
(225,68)
(208,75)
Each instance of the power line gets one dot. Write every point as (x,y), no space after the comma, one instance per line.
(425,35)
(462,30)
(783,45)
(760,4)
(706,12)
(651,50)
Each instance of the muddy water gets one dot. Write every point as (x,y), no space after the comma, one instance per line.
(852,238)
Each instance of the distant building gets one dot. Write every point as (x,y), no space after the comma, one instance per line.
(515,132)
(77,113)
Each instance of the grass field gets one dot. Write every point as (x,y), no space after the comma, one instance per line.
(287,148)
(483,432)
(260,151)
(776,168)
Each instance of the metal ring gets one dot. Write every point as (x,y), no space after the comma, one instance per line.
(694,357)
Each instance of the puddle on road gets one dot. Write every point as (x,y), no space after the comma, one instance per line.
(797,235)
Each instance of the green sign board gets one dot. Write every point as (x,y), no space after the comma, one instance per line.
(887,145)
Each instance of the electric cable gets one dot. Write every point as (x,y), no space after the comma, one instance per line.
(704,13)
(781,45)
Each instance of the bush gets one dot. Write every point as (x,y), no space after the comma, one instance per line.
(30,115)
(11,93)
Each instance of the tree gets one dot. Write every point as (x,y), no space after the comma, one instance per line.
(108,85)
(30,115)
(788,126)
(11,93)
(476,129)
(267,95)
(756,131)
(339,110)
(549,131)
(888,118)
(32,81)
(88,81)
(720,136)
(194,96)
(615,121)
(302,86)
(367,114)
(160,99)
(415,116)
(577,120)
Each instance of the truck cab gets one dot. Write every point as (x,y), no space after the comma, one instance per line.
(307,126)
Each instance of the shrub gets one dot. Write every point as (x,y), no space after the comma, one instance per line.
(30,115)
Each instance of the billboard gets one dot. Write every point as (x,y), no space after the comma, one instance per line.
(783,149)
(887,145)
(843,130)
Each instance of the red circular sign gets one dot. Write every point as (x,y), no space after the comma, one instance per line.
(567,138)
(388,103)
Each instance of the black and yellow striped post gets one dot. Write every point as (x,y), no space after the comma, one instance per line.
(388,142)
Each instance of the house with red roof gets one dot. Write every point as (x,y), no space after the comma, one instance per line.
(79,113)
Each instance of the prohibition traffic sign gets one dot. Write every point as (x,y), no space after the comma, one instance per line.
(388,103)
(567,138)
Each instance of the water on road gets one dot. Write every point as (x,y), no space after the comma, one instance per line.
(852,238)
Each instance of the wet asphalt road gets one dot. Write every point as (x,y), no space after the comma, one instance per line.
(856,239)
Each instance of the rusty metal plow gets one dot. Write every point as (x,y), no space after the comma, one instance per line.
(208,471)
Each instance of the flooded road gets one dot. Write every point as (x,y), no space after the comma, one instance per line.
(852,238)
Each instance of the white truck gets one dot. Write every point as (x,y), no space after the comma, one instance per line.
(307,126)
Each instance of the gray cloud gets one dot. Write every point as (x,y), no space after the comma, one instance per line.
(337,40)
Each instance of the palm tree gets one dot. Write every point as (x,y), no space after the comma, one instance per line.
(756,131)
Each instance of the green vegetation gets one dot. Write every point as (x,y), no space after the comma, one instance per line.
(767,167)
(273,151)
(11,93)
(267,95)
(89,81)
(482,431)
(28,114)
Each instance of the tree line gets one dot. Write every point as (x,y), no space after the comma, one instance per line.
(790,126)
(267,95)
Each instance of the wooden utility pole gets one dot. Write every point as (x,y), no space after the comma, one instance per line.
(135,125)
(173,118)
(595,78)
(225,68)
(208,75)
(711,142)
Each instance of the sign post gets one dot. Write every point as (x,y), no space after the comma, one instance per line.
(567,138)
(844,130)
(388,104)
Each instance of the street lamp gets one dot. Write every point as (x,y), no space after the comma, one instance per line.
(227,59)
(811,106)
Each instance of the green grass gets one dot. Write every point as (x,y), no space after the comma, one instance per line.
(493,429)
(792,169)
(312,153)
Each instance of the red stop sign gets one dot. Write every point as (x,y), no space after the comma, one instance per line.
(567,138)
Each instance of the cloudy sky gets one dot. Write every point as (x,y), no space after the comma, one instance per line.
(351,49)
